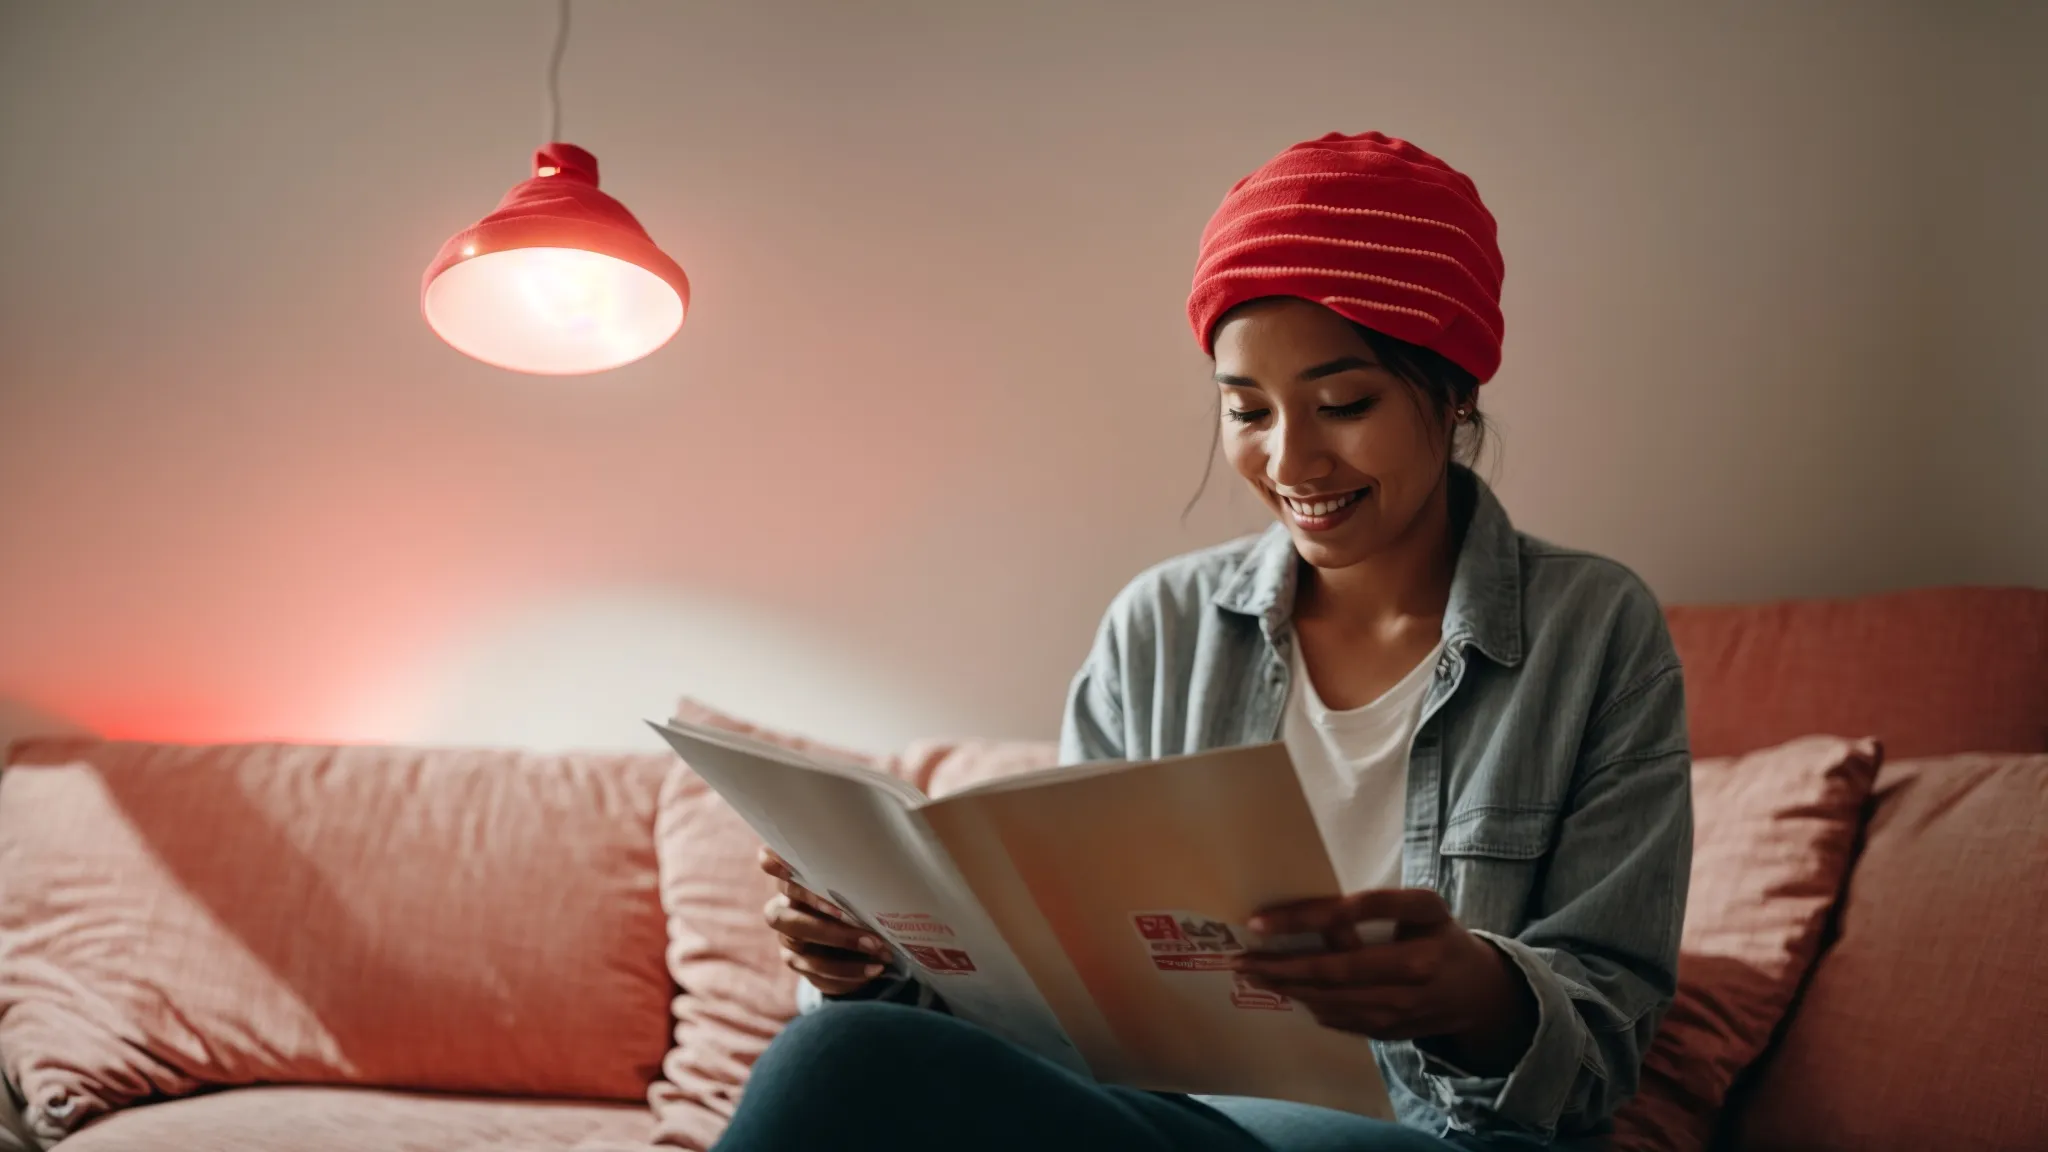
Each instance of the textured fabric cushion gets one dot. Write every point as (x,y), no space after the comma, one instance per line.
(1928,672)
(463,921)
(736,993)
(363,1120)
(1926,1024)
(14,1131)
(1774,835)
(945,766)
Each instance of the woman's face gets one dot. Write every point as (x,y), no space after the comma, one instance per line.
(1344,452)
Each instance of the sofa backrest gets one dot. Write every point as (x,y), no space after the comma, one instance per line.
(1929,672)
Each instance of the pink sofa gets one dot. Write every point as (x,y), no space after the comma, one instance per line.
(304,949)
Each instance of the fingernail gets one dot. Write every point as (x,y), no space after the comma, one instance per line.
(870,944)
(1259,924)
(872,971)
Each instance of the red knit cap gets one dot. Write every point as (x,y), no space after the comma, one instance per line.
(1373,228)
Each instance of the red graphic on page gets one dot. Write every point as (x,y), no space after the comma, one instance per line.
(1185,942)
(913,924)
(941,961)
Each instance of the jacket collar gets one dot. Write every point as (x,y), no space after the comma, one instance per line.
(1485,608)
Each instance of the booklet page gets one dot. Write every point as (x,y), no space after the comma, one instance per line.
(857,838)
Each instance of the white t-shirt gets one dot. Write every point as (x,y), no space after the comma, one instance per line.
(1353,767)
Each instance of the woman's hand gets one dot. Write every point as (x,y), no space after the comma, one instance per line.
(1458,996)
(820,942)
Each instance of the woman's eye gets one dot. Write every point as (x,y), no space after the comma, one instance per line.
(1355,408)
(1245,415)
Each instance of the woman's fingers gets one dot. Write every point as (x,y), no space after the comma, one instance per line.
(1412,908)
(786,879)
(1407,962)
(836,958)
(820,942)
(803,897)
(832,977)
(802,927)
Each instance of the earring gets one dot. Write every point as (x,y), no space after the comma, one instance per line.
(1462,414)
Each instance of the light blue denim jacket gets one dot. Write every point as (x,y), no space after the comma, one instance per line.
(1549,786)
(1549,795)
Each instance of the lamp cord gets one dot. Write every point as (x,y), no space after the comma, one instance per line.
(554,74)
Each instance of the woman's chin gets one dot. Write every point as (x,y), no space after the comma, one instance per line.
(1328,550)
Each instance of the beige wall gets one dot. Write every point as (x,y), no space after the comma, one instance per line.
(1769,334)
(1987,289)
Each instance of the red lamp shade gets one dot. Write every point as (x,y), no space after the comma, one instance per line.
(559,280)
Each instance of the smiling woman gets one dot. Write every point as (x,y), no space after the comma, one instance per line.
(1336,426)
(1490,730)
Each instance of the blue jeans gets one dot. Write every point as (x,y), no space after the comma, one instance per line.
(867,1075)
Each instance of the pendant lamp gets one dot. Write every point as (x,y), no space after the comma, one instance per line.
(559,279)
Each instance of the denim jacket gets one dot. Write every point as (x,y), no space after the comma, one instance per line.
(1549,796)
(1549,786)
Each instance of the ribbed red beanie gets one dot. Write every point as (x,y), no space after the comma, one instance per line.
(1373,228)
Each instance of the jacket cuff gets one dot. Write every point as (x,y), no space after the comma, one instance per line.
(1534,1094)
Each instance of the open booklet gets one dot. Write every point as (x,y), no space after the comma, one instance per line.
(1088,914)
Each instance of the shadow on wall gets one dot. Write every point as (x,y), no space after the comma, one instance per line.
(20,720)
(587,670)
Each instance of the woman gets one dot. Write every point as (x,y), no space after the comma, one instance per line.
(1490,729)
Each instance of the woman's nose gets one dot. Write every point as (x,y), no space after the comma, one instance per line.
(1295,457)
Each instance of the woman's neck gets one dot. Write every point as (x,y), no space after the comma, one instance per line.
(1409,581)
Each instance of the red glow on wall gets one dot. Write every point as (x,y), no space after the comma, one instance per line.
(166,719)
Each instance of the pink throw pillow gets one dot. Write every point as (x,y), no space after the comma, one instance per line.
(185,917)
(1926,1024)
(736,994)
(1775,833)
(941,767)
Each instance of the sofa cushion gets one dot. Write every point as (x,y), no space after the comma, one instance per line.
(1926,1023)
(736,993)
(1929,672)
(1774,833)
(942,767)
(466,921)
(365,1120)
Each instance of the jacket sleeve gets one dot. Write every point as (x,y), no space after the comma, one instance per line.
(1600,952)
(1093,728)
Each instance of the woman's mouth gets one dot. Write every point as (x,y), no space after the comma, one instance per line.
(1323,512)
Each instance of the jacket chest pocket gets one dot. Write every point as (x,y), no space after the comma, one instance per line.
(1490,863)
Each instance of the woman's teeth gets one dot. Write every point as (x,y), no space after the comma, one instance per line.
(1324,507)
